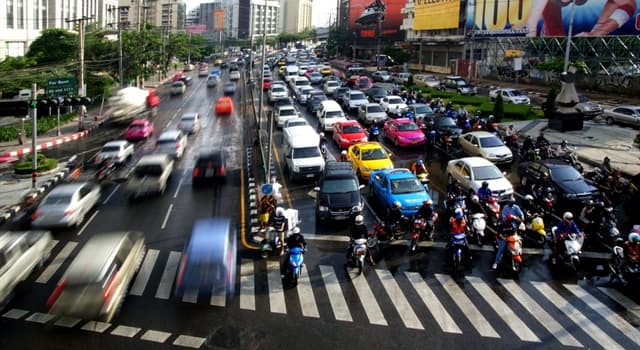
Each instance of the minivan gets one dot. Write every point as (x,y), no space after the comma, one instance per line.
(290,72)
(172,142)
(303,159)
(330,113)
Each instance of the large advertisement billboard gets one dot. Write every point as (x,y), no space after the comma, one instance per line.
(390,25)
(436,14)
(551,18)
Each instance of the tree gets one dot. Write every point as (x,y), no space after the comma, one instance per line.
(498,109)
(54,46)
(398,54)
(549,107)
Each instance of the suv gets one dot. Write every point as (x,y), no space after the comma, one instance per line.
(339,193)
(457,84)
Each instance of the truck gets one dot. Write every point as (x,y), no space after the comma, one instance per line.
(131,102)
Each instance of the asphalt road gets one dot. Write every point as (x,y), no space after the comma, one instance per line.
(405,301)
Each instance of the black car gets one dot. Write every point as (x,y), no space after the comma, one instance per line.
(314,102)
(443,125)
(341,91)
(282,101)
(568,184)
(233,66)
(229,88)
(210,167)
(376,93)
(224,64)
(338,194)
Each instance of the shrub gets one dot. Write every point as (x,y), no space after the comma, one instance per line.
(498,109)
(410,80)
(441,94)
(44,164)
(549,107)
(511,111)
(10,132)
(468,100)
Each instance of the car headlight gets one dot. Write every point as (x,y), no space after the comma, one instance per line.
(323,208)
(357,208)
(570,195)
(366,168)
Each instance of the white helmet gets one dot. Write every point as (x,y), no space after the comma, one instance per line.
(567,216)
(295,230)
(321,134)
(475,199)
(528,197)
(279,211)
(344,152)
(359,219)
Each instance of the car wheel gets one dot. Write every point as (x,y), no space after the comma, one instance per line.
(609,121)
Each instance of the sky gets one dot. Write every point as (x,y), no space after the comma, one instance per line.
(322,10)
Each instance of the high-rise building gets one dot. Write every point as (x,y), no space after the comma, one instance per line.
(295,15)
(261,10)
(170,14)
(193,17)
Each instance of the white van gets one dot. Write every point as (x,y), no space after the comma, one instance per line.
(290,72)
(328,114)
(303,159)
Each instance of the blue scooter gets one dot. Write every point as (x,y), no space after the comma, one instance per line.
(294,265)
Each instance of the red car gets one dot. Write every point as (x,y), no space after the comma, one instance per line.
(403,132)
(266,83)
(363,83)
(178,76)
(224,105)
(348,133)
(139,129)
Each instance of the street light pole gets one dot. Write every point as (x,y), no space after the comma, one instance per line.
(354,46)
(568,49)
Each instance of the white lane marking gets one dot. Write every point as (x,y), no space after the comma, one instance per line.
(15,314)
(336,298)
(399,300)
(189,341)
(218,296)
(125,331)
(67,322)
(145,272)
(168,275)
(57,262)
(543,317)
(247,286)
(276,292)
(466,306)
(190,295)
(503,310)
(305,294)
(87,223)
(39,317)
(175,195)
(437,310)
(155,336)
(368,301)
(335,238)
(576,316)
(623,300)
(111,194)
(166,217)
(612,317)
(96,326)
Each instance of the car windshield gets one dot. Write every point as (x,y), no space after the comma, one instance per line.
(106,149)
(489,142)
(277,88)
(57,199)
(375,109)
(318,99)
(445,122)
(565,173)
(410,185)
(378,92)
(339,185)
(487,172)
(333,114)
(515,93)
(357,97)
(373,154)
(430,78)
(187,118)
(164,142)
(148,170)
(460,82)
(136,126)
(383,72)
(287,112)
(395,101)
(407,127)
(352,129)
(423,109)
(332,83)
(306,152)
(316,74)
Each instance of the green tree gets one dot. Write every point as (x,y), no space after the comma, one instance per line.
(498,109)
(398,54)
(549,107)
(54,46)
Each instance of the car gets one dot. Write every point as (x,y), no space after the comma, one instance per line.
(302,94)
(139,129)
(471,172)
(172,143)
(210,166)
(325,70)
(363,83)
(314,103)
(187,80)
(189,123)
(213,80)
(367,157)
(234,75)
(188,67)
(370,113)
(284,113)
(382,76)
(514,96)
(397,185)
(401,78)
(588,108)
(178,76)
(457,84)
(421,111)
(66,205)
(315,78)
(267,74)
(266,83)
(229,88)
(298,82)
(217,62)
(426,80)
(486,145)
(278,82)
(233,67)
(216,71)
(277,91)
(224,105)
(98,278)
(119,151)
(347,133)
(283,101)
(568,184)
(203,72)
(339,92)
(445,125)
(224,64)
(150,175)
(338,193)
(331,86)
(302,70)
(403,132)
(331,77)
(376,93)
(353,99)
(391,103)
(628,115)
(178,88)
(292,123)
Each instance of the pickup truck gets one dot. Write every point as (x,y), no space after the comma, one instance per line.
(150,175)
(20,254)
(510,96)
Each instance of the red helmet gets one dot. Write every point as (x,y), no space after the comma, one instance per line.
(491,200)
(510,217)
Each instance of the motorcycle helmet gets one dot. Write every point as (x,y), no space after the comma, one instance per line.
(475,199)
(397,204)
(321,134)
(428,202)
(295,230)
(511,201)
(458,213)
(359,219)
(279,211)
(509,217)
(419,162)
(344,153)
(567,216)
(589,203)
(485,184)
(634,237)
(529,198)
(614,232)
(564,143)
(606,160)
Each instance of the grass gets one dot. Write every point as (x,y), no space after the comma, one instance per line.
(44,164)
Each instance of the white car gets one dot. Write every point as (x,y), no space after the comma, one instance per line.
(178,88)
(119,152)
(189,123)
(514,96)
(276,92)
(370,113)
(381,76)
(284,113)
(353,99)
(292,123)
(471,172)
(298,83)
(234,75)
(66,205)
(331,86)
(486,145)
(172,143)
(302,94)
(391,103)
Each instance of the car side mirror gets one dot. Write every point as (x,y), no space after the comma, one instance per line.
(390,154)
(467,177)
(360,187)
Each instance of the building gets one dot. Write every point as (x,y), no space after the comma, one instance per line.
(171,14)
(21,21)
(261,10)
(295,15)
(193,17)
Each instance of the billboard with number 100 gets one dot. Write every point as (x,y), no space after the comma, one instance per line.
(552,17)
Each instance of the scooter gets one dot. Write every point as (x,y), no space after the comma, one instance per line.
(108,167)
(623,270)
(535,229)
(458,249)
(270,243)
(323,149)
(358,253)
(477,227)
(294,265)
(572,249)
(492,208)
(514,250)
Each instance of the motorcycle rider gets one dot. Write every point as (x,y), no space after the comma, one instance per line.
(588,216)
(279,223)
(632,249)
(323,140)
(394,217)
(484,192)
(541,140)
(295,240)
(527,148)
(540,184)
(358,231)
(508,227)
(606,168)
(343,156)
(566,226)
(509,135)
(564,147)
(454,190)
(418,168)
(427,213)
(474,205)
(374,132)
(511,208)
(458,224)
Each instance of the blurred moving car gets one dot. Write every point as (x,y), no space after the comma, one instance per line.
(178,88)
(210,166)
(229,88)
(21,253)
(208,264)
(97,280)
(213,80)
(266,83)
(139,129)
(381,76)
(150,175)
(234,75)
(587,107)
(224,105)
(189,123)
(66,205)
(119,151)
(172,143)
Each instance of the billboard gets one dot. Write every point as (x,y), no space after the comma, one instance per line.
(218,19)
(390,25)
(436,14)
(550,18)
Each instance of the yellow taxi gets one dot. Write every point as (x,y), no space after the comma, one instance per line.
(217,62)
(325,70)
(282,62)
(281,70)
(367,157)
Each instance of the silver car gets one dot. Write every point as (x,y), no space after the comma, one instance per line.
(189,123)
(66,205)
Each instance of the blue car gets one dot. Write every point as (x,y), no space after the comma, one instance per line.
(215,71)
(388,186)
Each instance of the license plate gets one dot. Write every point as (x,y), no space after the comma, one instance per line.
(340,217)
(209,172)
(414,142)
(309,175)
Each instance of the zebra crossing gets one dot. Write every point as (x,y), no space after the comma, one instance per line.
(532,311)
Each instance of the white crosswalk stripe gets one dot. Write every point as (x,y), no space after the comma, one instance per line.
(247,286)
(408,316)
(438,311)
(276,290)
(145,272)
(368,301)
(576,316)
(336,298)
(466,306)
(619,298)
(168,275)
(548,322)
(305,294)
(53,267)
(503,310)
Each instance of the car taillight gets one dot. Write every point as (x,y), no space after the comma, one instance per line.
(110,286)
(183,265)
(36,214)
(68,212)
(56,293)
(221,170)
(196,172)
(177,146)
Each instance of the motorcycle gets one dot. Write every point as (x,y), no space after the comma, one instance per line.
(512,142)
(570,251)
(270,243)
(458,249)
(535,229)
(422,227)
(545,199)
(107,168)
(477,228)
(492,208)
(623,270)
(569,157)
(323,149)
(294,265)
(358,253)
(514,250)
(607,230)
(75,168)
(454,202)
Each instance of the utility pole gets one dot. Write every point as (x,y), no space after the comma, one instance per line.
(471,65)
(121,11)
(34,135)
(81,86)
(264,54)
